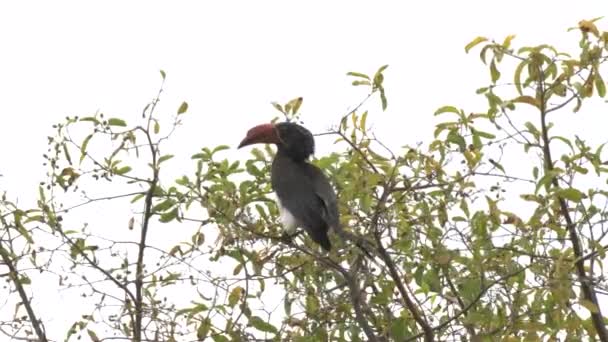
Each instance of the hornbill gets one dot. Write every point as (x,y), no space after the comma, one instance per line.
(304,196)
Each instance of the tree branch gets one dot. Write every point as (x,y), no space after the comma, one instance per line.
(392,268)
(587,288)
(147,214)
(13,273)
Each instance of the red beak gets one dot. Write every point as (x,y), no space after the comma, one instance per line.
(265,133)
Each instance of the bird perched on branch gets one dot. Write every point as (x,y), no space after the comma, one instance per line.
(304,195)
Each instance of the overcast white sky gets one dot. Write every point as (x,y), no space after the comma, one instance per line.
(230,59)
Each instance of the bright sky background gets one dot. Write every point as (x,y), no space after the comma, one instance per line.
(230,59)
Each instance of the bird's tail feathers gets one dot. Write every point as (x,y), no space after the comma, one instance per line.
(360,242)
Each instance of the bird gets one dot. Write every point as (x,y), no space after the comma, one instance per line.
(304,194)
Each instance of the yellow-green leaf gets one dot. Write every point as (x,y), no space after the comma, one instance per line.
(169,216)
(359,82)
(600,85)
(588,26)
(261,325)
(517,76)
(203,329)
(474,42)
(295,104)
(357,74)
(182,108)
(447,109)
(235,296)
(137,198)
(571,194)
(589,305)
(527,99)
(278,107)
(383,99)
(164,158)
(123,170)
(362,121)
(117,122)
(83,148)
(494,73)
(507,42)
(164,205)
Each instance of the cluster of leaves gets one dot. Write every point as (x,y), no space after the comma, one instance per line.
(495,230)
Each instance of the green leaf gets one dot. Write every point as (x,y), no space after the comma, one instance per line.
(399,329)
(483,134)
(474,43)
(163,74)
(203,329)
(383,99)
(362,121)
(164,205)
(296,104)
(25,233)
(170,279)
(67,153)
(220,148)
(517,76)
(532,129)
(447,109)
(83,148)
(117,122)
(497,165)
(165,158)
(358,74)
(182,108)
(91,119)
(24,280)
(571,194)
(169,216)
(235,296)
(137,198)
(494,73)
(278,107)
(599,85)
(261,325)
(382,68)
(312,304)
(156,126)
(527,99)
(507,42)
(93,335)
(589,305)
(358,83)
(483,53)
(123,170)
(455,138)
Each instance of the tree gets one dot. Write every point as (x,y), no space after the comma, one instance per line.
(494,230)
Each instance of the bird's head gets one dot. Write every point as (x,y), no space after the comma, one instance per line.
(296,141)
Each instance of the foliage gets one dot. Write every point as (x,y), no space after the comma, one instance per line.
(495,230)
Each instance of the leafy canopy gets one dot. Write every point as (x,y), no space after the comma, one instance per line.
(493,230)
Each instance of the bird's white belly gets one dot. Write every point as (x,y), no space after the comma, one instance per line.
(287,220)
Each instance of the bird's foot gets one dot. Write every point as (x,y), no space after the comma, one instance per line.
(288,238)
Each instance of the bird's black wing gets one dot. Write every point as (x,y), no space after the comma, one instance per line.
(326,193)
(305,192)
